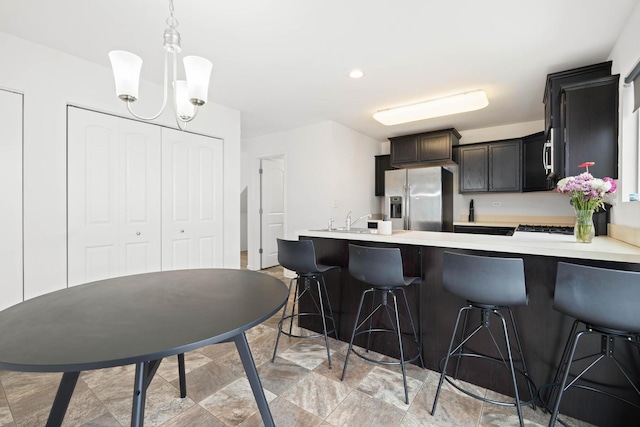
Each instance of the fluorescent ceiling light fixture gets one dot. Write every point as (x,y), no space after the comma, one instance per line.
(454,104)
(356,74)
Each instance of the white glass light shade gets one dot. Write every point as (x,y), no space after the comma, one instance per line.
(455,104)
(126,72)
(198,72)
(184,108)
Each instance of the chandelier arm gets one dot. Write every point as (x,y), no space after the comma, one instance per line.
(164,96)
(182,125)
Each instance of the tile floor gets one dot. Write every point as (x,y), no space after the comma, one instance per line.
(300,388)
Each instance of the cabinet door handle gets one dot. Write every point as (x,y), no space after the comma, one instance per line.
(138,233)
(182,231)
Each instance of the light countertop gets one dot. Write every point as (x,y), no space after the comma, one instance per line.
(556,245)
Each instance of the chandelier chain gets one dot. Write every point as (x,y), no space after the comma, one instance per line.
(171,20)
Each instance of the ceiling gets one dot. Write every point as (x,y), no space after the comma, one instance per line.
(285,63)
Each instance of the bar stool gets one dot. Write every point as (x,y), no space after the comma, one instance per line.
(381,268)
(300,256)
(604,302)
(490,285)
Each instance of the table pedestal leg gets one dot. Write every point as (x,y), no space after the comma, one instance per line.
(254,380)
(144,374)
(63,396)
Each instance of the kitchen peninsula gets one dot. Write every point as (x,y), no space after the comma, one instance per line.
(543,330)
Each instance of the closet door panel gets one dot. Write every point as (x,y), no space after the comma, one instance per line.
(140,191)
(113,197)
(192,201)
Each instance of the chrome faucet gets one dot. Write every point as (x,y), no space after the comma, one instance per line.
(351,224)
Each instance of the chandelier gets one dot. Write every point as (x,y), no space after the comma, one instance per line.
(188,94)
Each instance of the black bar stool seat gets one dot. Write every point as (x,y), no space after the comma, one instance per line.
(381,268)
(603,302)
(490,285)
(300,256)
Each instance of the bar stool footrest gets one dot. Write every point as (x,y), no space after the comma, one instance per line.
(290,316)
(382,362)
(484,399)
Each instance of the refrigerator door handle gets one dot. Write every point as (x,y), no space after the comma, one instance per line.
(407,206)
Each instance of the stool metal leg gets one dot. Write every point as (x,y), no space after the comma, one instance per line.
(324,322)
(561,388)
(513,372)
(446,360)
(461,350)
(398,331)
(353,333)
(331,316)
(563,360)
(284,313)
(416,336)
(521,353)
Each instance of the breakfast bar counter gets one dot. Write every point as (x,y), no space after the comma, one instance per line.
(543,330)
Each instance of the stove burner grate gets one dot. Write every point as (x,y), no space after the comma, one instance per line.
(551,229)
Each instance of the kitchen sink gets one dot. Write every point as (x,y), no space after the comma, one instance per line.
(357,230)
(353,230)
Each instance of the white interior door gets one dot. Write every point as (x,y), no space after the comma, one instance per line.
(11,248)
(272,209)
(192,201)
(113,189)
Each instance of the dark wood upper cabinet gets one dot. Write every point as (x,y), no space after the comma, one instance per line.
(424,149)
(505,160)
(558,154)
(383,164)
(473,168)
(589,124)
(492,166)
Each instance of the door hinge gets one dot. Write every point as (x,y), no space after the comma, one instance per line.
(260,171)
(260,211)
(260,251)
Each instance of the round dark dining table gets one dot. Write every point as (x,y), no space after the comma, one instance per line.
(137,319)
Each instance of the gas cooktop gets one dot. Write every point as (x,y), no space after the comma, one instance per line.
(551,229)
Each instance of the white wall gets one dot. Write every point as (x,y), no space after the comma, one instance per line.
(50,80)
(329,171)
(625,55)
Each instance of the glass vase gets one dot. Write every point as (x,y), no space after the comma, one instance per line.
(584,230)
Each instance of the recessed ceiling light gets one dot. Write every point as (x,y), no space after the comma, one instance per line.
(356,74)
(454,104)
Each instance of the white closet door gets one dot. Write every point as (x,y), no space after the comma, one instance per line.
(192,201)
(113,197)
(11,248)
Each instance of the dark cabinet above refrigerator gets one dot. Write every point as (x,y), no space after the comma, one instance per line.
(424,149)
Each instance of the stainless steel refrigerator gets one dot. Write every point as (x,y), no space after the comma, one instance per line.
(419,199)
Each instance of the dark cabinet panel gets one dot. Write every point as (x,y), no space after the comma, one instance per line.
(504,166)
(435,147)
(590,126)
(473,168)
(534,174)
(383,163)
(492,166)
(404,150)
(554,117)
(424,149)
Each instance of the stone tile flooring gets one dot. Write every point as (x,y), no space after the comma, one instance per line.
(301,390)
